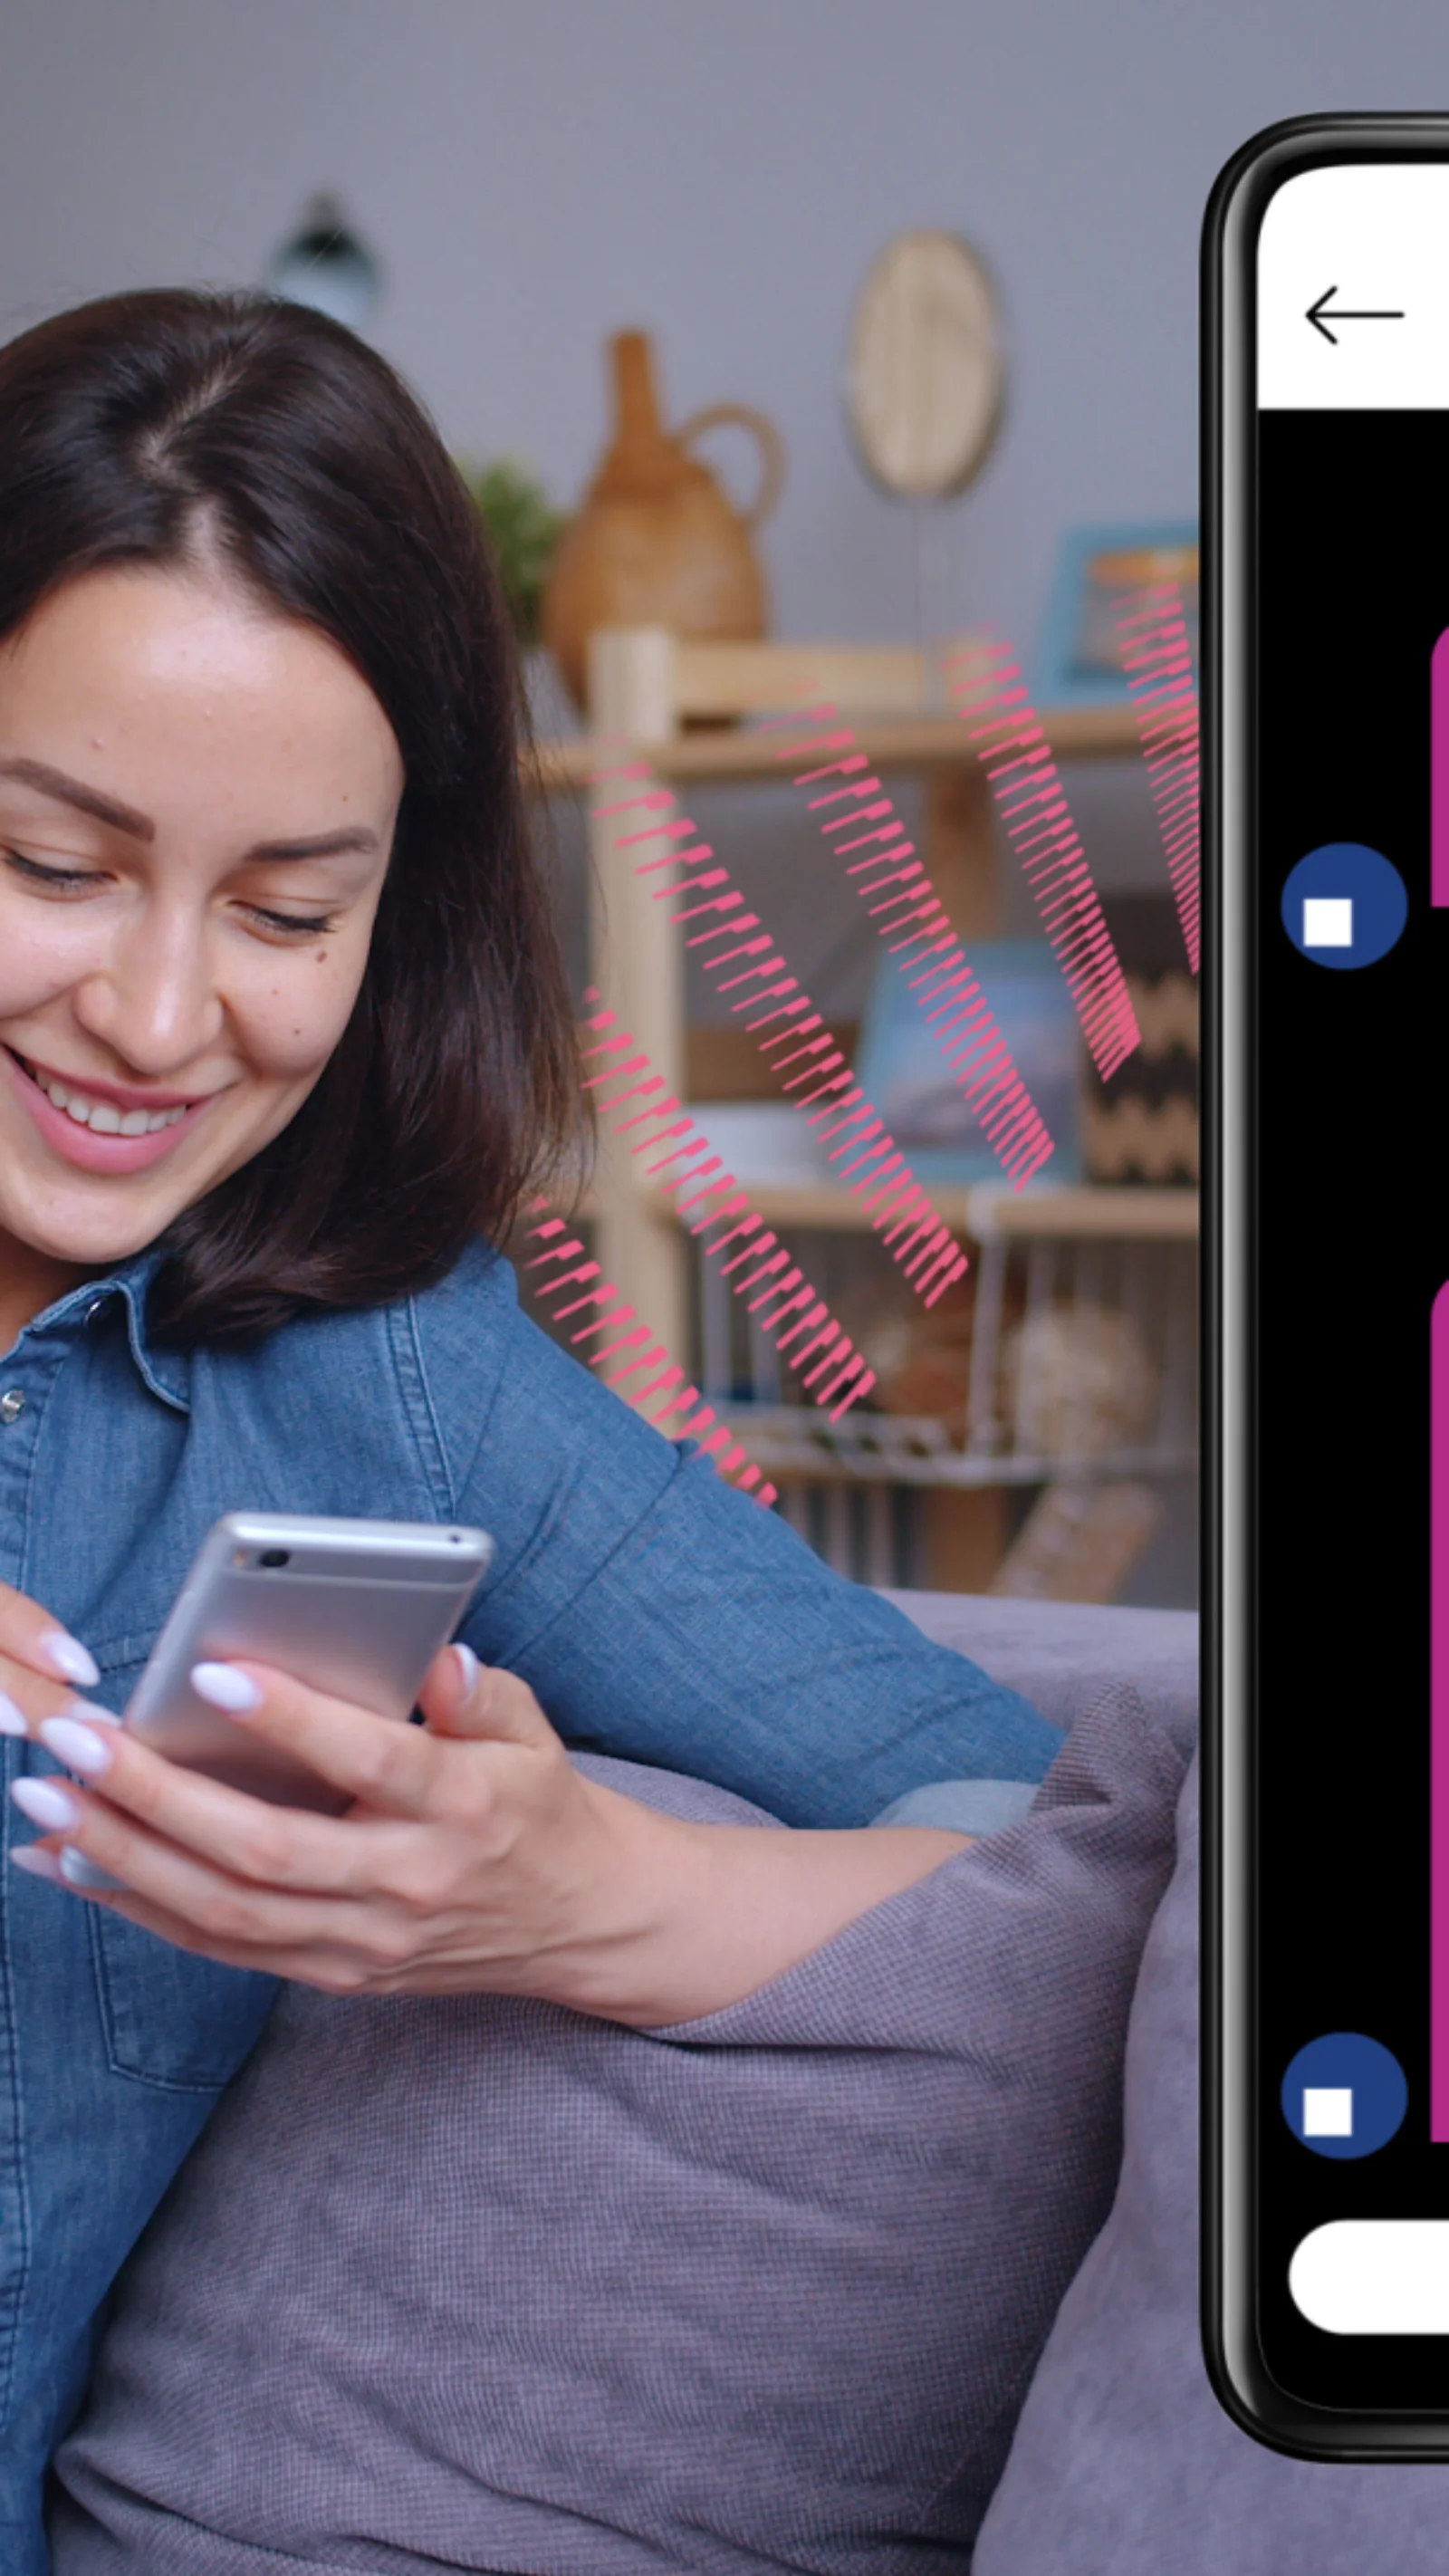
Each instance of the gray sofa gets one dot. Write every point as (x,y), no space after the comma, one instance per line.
(764,2288)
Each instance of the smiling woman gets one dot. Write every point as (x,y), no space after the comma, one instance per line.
(175,975)
(224,737)
(283,1039)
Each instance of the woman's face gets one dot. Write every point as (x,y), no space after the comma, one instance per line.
(197,802)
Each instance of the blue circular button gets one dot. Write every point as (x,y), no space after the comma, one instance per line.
(1344,2095)
(1344,905)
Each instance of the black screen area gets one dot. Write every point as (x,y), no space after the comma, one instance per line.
(1352,1247)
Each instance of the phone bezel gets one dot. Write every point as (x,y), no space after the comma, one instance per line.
(1234,215)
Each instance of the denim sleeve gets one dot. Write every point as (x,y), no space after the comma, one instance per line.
(664,1618)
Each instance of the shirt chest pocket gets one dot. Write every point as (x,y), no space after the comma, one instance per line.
(168,2018)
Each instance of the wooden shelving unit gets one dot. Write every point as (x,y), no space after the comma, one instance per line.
(986,1213)
(922,742)
(645,688)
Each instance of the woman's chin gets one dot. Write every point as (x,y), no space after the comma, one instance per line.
(79,1220)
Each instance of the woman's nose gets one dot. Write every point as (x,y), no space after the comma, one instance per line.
(153,1002)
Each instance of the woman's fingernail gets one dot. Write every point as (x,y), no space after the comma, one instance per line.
(222,1686)
(79,1747)
(73,1661)
(12,1719)
(45,1805)
(467,1664)
(39,1862)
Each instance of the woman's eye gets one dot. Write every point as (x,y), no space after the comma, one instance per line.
(294,925)
(62,878)
(305,926)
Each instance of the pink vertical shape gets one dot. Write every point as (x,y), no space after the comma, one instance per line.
(1439,771)
(1439,1714)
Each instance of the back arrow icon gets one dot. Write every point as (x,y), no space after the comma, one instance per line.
(1340,313)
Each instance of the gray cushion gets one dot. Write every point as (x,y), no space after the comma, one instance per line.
(1124,2464)
(481,2284)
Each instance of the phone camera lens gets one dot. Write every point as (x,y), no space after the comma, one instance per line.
(275,1556)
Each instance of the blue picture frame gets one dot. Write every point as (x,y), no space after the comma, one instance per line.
(1060,677)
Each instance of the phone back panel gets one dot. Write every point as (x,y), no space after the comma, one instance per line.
(357,1610)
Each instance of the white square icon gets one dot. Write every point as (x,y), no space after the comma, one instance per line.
(1328,2111)
(1328,921)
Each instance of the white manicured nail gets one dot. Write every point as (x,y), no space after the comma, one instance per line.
(80,1748)
(45,1804)
(40,1864)
(77,1871)
(12,1719)
(467,1664)
(73,1661)
(223,1687)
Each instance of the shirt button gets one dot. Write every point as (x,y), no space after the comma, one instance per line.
(12,1404)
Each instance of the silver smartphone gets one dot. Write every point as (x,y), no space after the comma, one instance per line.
(357,1609)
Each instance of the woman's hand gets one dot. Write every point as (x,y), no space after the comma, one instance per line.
(41,1665)
(461,1863)
(474,1859)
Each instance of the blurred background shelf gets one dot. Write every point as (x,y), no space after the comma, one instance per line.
(563,763)
(798,1441)
(982,1211)
(1033,1430)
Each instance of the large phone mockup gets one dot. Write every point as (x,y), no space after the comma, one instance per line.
(1326,776)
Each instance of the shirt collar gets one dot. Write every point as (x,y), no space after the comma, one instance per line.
(167,1373)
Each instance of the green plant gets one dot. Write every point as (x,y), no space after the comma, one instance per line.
(523,529)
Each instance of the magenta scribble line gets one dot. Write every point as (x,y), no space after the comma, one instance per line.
(677,1158)
(1157,658)
(1439,772)
(1027,786)
(634,1350)
(1439,1719)
(788,1030)
(916,928)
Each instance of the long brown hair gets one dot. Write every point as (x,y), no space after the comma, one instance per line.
(129,425)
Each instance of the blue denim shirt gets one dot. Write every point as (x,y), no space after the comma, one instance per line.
(658,1614)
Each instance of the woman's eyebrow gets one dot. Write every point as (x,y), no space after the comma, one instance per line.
(86,800)
(125,818)
(321,845)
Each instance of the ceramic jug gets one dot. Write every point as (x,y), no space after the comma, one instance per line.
(656,542)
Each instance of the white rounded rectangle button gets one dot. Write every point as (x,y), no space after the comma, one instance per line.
(1374,2276)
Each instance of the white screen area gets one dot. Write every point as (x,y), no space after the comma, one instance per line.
(1373,239)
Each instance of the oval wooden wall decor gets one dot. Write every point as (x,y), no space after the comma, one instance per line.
(925,373)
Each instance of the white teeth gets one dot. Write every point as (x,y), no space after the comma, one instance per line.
(102,1116)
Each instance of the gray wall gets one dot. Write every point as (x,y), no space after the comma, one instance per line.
(536,172)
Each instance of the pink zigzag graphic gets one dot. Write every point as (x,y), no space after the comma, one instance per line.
(781,1286)
(914,919)
(918,1237)
(1027,786)
(1158,661)
(727,1454)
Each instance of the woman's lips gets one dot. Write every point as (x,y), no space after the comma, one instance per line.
(81,1146)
